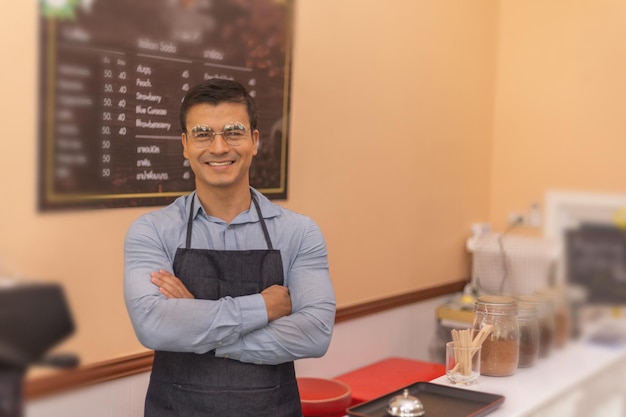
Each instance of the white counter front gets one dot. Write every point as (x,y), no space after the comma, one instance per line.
(582,379)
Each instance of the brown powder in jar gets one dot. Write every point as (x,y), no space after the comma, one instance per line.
(546,338)
(528,346)
(499,357)
(561,328)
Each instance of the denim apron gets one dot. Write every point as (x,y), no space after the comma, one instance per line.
(190,384)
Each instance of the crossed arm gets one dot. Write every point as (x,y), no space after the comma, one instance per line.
(276,298)
(281,324)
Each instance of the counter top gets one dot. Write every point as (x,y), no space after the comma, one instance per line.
(581,379)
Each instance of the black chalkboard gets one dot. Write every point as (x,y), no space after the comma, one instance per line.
(112,76)
(596,260)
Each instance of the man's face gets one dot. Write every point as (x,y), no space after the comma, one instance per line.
(219,165)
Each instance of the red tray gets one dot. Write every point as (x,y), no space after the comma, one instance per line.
(438,401)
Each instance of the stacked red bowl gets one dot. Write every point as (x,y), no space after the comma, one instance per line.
(322,397)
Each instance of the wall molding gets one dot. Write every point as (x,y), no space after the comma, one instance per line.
(42,386)
(376,306)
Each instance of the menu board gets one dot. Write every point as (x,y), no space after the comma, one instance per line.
(113,74)
(596,260)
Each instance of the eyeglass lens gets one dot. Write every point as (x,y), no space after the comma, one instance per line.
(232,133)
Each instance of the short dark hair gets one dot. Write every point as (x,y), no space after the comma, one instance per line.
(216,91)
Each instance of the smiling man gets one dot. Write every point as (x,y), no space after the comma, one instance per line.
(228,288)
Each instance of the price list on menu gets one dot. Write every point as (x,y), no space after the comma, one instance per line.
(113,74)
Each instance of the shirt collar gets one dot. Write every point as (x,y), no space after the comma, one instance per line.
(268,209)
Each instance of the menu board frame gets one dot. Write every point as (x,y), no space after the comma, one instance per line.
(83,187)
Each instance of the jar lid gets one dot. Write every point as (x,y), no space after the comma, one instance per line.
(496,299)
(523,305)
(543,304)
(533,299)
(496,304)
(526,309)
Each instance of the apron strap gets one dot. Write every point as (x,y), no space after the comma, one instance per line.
(265,232)
(258,210)
(190,222)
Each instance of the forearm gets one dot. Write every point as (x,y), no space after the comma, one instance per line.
(304,334)
(190,325)
(182,325)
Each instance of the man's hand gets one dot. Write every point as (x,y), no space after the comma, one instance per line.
(169,285)
(277,301)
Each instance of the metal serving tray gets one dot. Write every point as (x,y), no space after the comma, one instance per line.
(438,401)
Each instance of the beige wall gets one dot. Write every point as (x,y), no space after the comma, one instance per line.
(392,106)
(560,101)
(390,153)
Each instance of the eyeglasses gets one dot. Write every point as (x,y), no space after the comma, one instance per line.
(203,136)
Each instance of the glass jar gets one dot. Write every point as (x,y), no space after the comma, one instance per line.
(562,320)
(529,334)
(545,318)
(499,355)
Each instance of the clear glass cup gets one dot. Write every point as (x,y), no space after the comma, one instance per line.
(462,364)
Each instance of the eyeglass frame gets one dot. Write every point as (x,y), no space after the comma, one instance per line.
(212,134)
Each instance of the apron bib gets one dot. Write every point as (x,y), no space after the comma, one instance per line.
(189,384)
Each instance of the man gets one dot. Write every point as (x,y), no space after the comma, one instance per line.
(227,288)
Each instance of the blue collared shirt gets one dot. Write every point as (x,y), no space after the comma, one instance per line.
(236,327)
